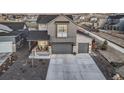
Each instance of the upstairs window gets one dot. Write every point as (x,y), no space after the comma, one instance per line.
(61,30)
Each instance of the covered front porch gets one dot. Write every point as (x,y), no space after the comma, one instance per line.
(39,47)
(42,50)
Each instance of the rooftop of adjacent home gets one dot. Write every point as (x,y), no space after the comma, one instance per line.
(115,16)
(13,33)
(14,25)
(47,18)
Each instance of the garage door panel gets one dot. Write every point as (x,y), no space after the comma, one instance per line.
(83,47)
(62,49)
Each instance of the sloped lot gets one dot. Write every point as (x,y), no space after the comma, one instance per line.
(71,67)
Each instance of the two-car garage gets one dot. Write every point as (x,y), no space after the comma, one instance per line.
(65,48)
(82,46)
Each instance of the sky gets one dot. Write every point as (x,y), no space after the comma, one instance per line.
(61,6)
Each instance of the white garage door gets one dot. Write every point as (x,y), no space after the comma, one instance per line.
(6,47)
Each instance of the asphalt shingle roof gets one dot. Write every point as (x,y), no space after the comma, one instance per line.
(13,33)
(37,35)
(47,18)
(115,17)
(14,25)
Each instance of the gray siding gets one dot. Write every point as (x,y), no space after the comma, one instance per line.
(6,47)
(7,38)
(71,31)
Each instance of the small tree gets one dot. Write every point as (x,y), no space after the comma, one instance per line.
(94,46)
(104,45)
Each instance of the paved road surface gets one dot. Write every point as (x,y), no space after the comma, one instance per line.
(71,67)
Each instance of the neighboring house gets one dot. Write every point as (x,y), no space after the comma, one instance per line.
(120,25)
(101,22)
(114,22)
(12,36)
(56,35)
(93,19)
(32,25)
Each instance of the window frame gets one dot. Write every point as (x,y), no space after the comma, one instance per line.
(57,29)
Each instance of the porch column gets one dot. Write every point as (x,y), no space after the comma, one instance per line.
(75,48)
(29,44)
(50,49)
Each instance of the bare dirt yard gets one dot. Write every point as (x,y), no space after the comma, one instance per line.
(22,68)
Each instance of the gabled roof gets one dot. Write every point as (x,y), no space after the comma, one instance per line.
(14,25)
(37,35)
(4,28)
(47,18)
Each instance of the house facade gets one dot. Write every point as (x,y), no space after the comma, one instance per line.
(61,33)
(114,23)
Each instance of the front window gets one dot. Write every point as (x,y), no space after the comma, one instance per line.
(61,30)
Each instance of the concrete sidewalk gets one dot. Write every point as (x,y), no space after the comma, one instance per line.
(71,67)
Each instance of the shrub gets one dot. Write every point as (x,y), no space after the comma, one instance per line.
(104,45)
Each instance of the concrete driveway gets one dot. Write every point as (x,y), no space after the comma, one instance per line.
(71,67)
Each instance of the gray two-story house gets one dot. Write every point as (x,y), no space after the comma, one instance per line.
(56,34)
